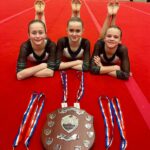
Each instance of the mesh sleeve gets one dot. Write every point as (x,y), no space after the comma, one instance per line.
(51,57)
(86,56)
(59,53)
(93,67)
(22,58)
(124,73)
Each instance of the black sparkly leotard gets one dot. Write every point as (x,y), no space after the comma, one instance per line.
(121,56)
(27,53)
(64,52)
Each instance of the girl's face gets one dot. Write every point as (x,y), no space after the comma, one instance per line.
(74,31)
(112,38)
(37,33)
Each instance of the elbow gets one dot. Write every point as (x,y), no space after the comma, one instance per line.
(57,65)
(123,75)
(19,76)
(51,74)
(94,70)
(126,77)
(85,67)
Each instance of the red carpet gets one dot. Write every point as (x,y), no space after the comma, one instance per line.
(133,18)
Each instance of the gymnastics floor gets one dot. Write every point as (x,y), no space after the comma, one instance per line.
(134,95)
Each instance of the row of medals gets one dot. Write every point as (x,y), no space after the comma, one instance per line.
(88,126)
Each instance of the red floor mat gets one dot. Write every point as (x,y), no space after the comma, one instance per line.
(15,94)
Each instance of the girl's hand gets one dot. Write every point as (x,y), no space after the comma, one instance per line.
(97,61)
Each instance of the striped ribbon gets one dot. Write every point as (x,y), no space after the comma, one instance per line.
(118,114)
(115,112)
(80,91)
(65,85)
(30,119)
(108,133)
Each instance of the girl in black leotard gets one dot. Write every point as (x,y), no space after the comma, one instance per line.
(73,51)
(110,56)
(38,48)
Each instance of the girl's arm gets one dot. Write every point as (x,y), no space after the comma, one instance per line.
(71,64)
(31,71)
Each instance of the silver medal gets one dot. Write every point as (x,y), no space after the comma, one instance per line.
(51,123)
(66,109)
(47,131)
(69,123)
(88,125)
(62,111)
(57,147)
(52,116)
(49,141)
(90,134)
(86,143)
(89,118)
(80,112)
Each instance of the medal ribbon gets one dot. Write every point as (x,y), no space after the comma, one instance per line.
(120,122)
(80,91)
(65,85)
(30,119)
(115,111)
(108,134)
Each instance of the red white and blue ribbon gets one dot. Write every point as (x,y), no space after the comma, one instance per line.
(108,130)
(119,118)
(115,112)
(30,119)
(64,80)
(80,91)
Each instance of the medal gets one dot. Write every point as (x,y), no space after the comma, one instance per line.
(30,119)
(115,112)
(69,128)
